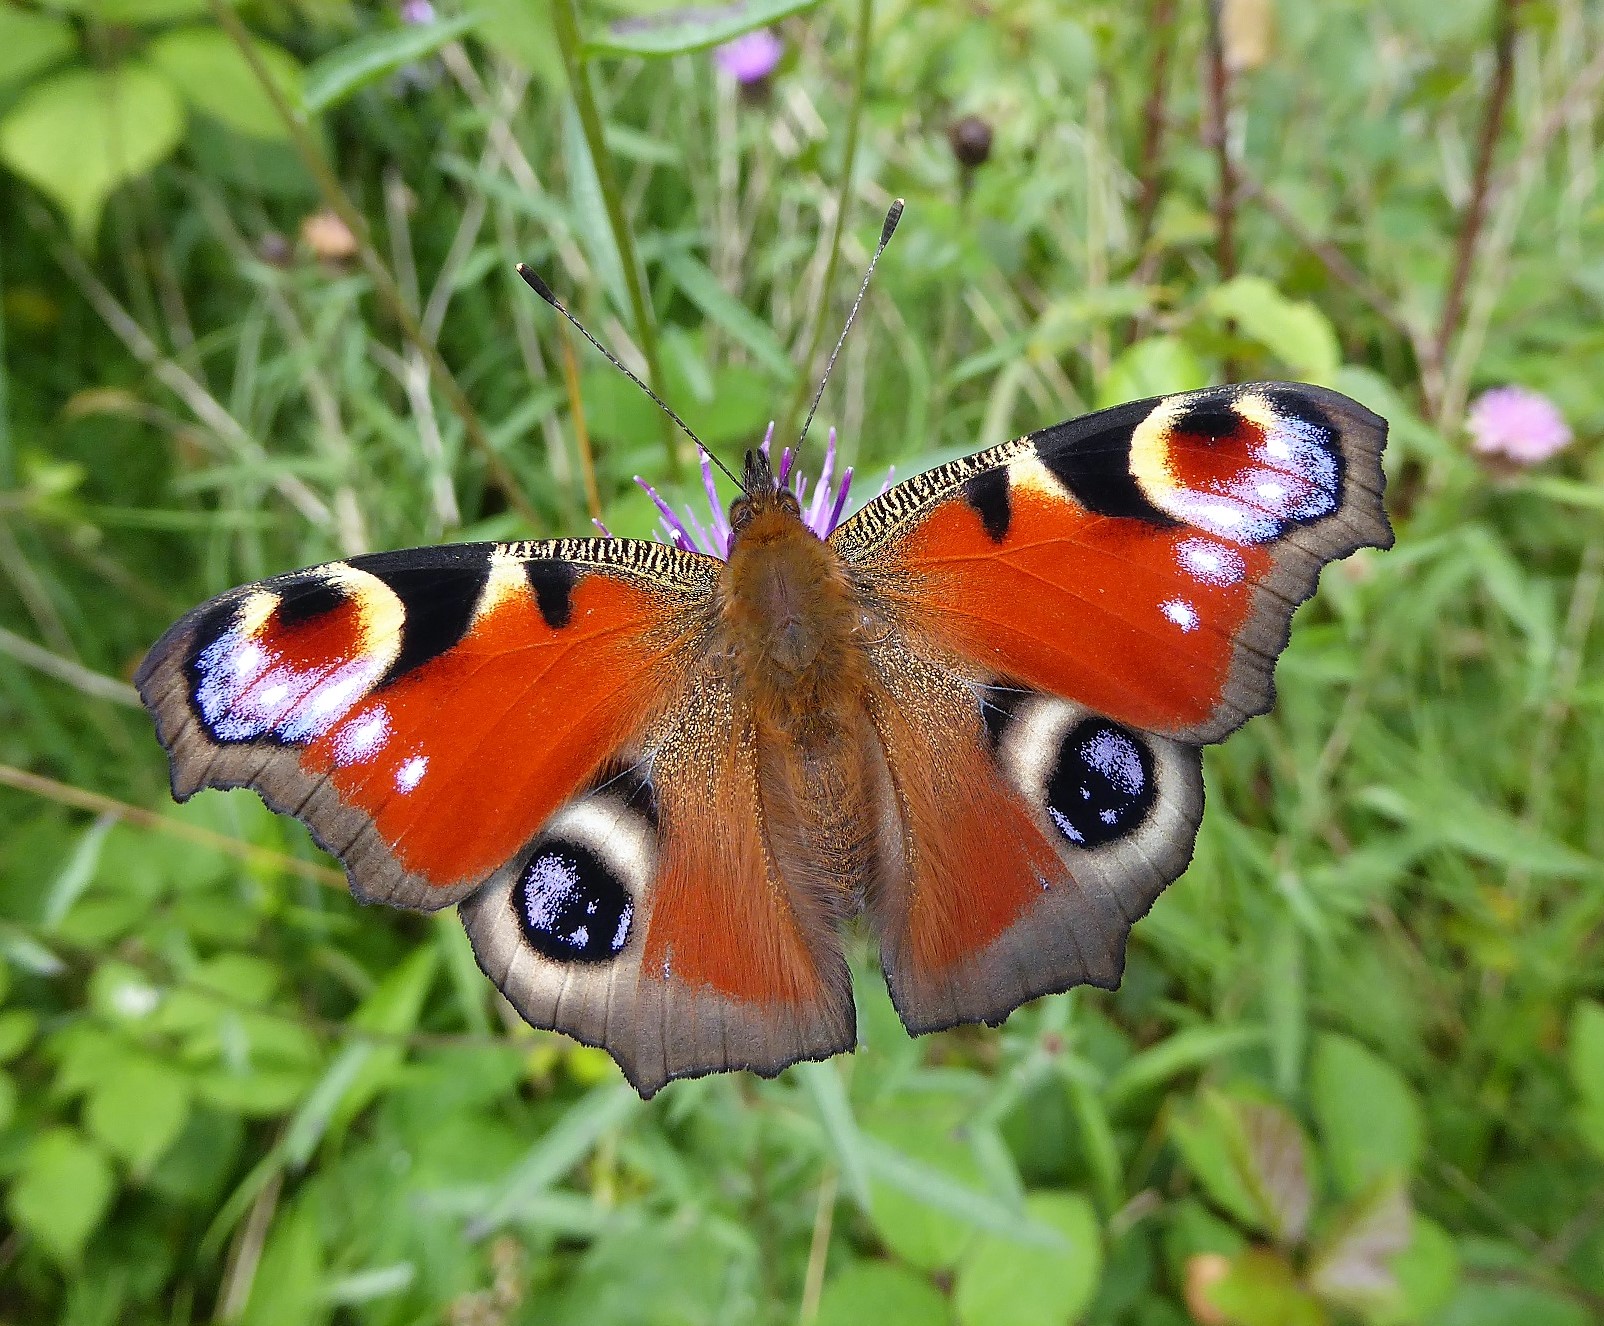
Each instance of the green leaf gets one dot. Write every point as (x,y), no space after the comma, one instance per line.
(30,42)
(215,77)
(134,12)
(62,1192)
(1368,1116)
(347,69)
(1427,1272)
(676,31)
(883,1293)
(1251,1158)
(1004,1283)
(77,136)
(1294,331)
(17,1026)
(287,1289)
(1154,367)
(137,1109)
(1261,1289)
(1586,1060)
(701,287)
(522,30)
(1195,1047)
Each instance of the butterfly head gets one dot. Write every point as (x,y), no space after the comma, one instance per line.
(762,496)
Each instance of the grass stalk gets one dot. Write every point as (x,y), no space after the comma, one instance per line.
(590,121)
(822,314)
(384,282)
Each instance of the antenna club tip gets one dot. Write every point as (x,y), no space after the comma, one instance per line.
(892,217)
(532,279)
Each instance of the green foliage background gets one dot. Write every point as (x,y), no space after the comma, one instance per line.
(1356,1068)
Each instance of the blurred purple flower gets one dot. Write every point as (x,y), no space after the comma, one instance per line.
(821,513)
(417,11)
(1518,425)
(751,57)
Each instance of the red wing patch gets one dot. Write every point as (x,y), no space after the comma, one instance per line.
(460,761)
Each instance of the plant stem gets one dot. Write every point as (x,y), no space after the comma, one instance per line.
(384,284)
(1470,225)
(1218,136)
(821,317)
(567,25)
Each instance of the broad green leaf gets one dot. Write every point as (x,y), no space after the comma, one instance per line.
(522,30)
(676,31)
(1251,1158)
(1427,1272)
(1368,1116)
(882,1293)
(1586,1059)
(80,134)
(206,66)
(1262,1289)
(1154,367)
(347,69)
(137,1109)
(61,1193)
(927,1189)
(31,41)
(17,1027)
(1294,331)
(1004,1283)
(8,1100)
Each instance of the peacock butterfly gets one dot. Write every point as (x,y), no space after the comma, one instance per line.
(656,782)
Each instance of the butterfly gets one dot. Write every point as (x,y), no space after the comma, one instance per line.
(657,783)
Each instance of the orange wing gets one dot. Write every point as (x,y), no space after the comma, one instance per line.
(1066,618)
(1144,561)
(538,731)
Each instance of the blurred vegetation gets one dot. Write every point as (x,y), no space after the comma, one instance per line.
(260,311)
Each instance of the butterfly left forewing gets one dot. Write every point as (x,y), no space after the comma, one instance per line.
(424,712)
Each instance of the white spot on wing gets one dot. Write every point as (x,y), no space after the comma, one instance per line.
(1182,613)
(410,774)
(1210,563)
(362,738)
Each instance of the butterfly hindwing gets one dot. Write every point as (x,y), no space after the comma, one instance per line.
(1145,560)
(424,712)
(654,917)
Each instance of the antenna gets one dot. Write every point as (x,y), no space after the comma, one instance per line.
(532,280)
(886,231)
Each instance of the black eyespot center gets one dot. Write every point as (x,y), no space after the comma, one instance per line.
(1102,785)
(571,904)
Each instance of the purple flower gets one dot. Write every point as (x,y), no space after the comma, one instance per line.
(417,11)
(1517,424)
(821,513)
(751,57)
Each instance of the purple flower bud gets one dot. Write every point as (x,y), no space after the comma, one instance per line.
(1517,424)
(417,11)
(751,57)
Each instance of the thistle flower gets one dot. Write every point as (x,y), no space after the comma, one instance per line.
(821,512)
(750,58)
(1513,423)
